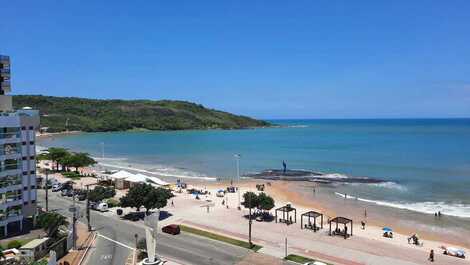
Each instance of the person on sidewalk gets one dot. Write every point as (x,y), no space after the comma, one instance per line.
(431,256)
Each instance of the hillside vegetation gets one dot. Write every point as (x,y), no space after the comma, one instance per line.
(94,115)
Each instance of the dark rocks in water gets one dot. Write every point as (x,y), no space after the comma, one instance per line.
(306,175)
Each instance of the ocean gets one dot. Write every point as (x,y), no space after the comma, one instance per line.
(425,163)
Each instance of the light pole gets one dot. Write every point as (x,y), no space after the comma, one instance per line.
(47,190)
(237,157)
(102,150)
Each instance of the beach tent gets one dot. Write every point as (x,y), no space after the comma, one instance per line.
(136,178)
(119,179)
(121,174)
(157,181)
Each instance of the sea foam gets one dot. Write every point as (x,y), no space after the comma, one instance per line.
(451,209)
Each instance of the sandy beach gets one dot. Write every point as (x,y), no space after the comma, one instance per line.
(366,246)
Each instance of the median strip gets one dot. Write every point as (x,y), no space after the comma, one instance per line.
(301,259)
(221,238)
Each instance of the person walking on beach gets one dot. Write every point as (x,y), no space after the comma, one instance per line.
(431,256)
(365,212)
(363,224)
(284,165)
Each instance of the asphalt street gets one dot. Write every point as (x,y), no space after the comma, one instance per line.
(185,248)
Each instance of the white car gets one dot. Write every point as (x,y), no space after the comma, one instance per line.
(102,207)
(56,187)
(315,263)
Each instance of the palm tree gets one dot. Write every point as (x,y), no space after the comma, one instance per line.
(51,222)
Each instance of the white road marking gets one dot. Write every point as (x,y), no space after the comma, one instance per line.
(116,242)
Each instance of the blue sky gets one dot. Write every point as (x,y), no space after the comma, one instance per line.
(267,59)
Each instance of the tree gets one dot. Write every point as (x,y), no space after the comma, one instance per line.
(78,160)
(156,198)
(250,200)
(265,202)
(55,154)
(145,195)
(51,222)
(2,256)
(100,193)
(135,197)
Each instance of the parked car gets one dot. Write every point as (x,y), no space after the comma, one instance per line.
(81,196)
(63,192)
(69,193)
(171,229)
(134,216)
(56,187)
(102,207)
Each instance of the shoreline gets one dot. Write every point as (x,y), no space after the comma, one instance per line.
(405,221)
(290,191)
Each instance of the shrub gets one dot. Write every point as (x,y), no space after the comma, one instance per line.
(112,203)
(14,244)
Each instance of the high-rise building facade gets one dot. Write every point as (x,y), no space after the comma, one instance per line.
(17,158)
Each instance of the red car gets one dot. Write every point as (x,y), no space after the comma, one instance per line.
(171,229)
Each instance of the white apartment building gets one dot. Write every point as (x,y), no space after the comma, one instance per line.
(17,158)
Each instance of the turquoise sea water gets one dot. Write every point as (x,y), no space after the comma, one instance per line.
(426,162)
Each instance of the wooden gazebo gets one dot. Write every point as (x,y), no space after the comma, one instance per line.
(310,215)
(338,232)
(286,214)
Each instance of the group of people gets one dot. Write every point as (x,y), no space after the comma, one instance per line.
(413,239)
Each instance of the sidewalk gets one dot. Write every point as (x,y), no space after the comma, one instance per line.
(84,239)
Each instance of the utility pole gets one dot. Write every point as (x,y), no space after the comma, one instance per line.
(237,156)
(74,225)
(249,224)
(88,207)
(47,190)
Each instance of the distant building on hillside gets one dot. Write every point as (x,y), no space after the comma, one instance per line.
(17,158)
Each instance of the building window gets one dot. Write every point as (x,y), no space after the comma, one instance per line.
(33,187)
(25,203)
(31,127)
(25,173)
(24,158)
(23,128)
(25,188)
(23,143)
(31,143)
(31,157)
(33,201)
(32,172)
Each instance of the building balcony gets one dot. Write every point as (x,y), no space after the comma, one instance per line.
(10,218)
(4,173)
(11,188)
(11,202)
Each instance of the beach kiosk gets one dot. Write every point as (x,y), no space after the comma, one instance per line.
(119,179)
(286,214)
(311,215)
(345,232)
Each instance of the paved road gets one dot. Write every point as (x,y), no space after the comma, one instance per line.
(186,248)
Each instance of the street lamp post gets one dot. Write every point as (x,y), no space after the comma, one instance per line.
(102,150)
(47,190)
(237,157)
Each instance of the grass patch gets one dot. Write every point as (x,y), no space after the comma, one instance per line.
(72,175)
(300,259)
(218,237)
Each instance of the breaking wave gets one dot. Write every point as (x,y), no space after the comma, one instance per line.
(451,209)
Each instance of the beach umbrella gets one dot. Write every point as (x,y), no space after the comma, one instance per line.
(220,190)
(387,229)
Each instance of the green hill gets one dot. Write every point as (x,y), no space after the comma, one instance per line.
(94,115)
